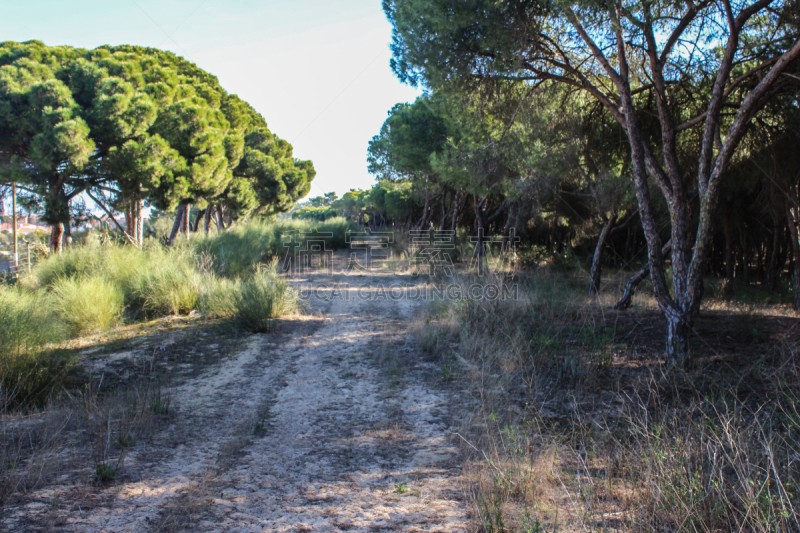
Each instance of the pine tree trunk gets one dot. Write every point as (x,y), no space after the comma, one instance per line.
(220,218)
(423,222)
(207,219)
(177,225)
(794,218)
(200,216)
(772,267)
(480,247)
(596,271)
(67,239)
(187,221)
(635,280)
(508,232)
(730,262)
(140,222)
(56,236)
(746,255)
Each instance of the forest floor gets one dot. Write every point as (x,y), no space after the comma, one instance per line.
(331,422)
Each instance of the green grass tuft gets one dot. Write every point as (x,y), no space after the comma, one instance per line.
(87,305)
(263,298)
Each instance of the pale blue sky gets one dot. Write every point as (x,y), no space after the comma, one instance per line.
(317,70)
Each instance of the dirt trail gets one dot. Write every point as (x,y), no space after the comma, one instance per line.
(306,429)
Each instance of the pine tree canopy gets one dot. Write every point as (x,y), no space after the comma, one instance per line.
(126,124)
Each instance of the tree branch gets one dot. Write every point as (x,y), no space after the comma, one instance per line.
(114,220)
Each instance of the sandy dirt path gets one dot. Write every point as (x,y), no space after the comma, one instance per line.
(331,423)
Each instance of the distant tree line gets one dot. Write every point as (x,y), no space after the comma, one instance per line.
(126,126)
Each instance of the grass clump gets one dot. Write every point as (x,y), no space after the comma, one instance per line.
(264,297)
(87,305)
(156,281)
(218,297)
(30,369)
(169,285)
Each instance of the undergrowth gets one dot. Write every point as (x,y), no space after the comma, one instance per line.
(577,425)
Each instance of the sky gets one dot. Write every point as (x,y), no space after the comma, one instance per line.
(317,70)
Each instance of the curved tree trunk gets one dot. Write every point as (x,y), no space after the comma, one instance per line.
(635,280)
(597,261)
(196,224)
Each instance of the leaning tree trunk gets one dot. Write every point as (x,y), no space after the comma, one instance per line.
(597,261)
(635,280)
(200,216)
(177,225)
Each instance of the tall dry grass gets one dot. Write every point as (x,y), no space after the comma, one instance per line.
(572,429)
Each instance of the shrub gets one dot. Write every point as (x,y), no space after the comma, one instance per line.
(263,298)
(168,284)
(87,305)
(29,369)
(218,297)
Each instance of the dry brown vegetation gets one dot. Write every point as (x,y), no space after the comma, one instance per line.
(114,402)
(576,424)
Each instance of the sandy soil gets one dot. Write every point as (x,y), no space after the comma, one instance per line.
(331,423)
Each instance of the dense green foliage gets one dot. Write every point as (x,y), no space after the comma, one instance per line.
(680,84)
(128,124)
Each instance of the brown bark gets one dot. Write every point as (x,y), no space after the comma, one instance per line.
(56,236)
(134,221)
